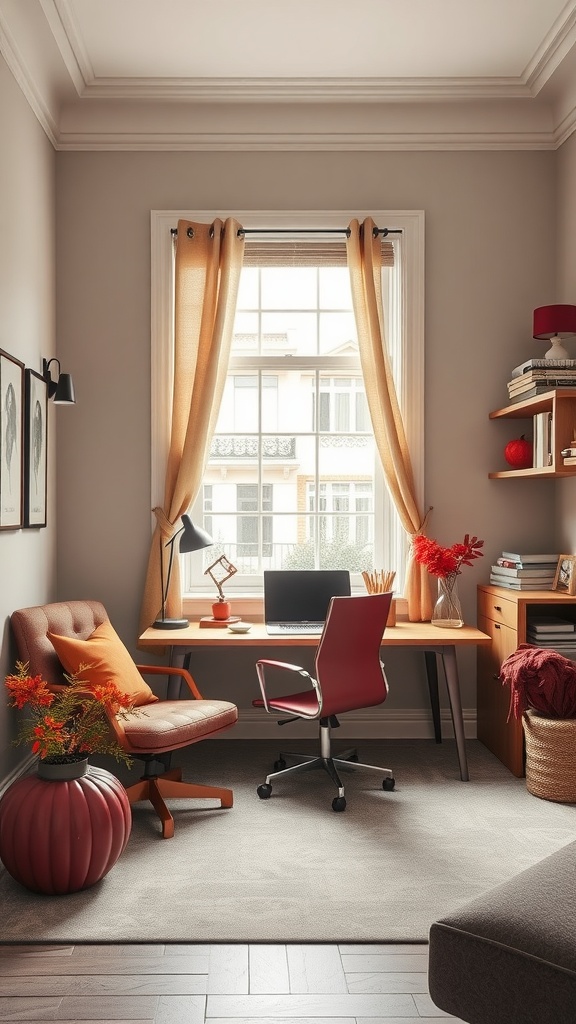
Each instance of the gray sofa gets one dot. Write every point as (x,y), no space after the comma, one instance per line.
(509,956)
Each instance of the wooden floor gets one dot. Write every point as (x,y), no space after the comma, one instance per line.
(217,984)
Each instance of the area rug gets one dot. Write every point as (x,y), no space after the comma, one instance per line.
(290,869)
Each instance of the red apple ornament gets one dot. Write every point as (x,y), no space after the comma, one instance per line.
(518,453)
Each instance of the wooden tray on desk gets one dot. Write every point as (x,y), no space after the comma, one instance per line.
(207,622)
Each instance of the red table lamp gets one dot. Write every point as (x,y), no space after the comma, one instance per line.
(552,321)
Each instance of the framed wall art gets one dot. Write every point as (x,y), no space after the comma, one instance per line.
(565,578)
(11,447)
(35,449)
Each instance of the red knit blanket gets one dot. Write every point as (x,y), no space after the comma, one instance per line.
(540,679)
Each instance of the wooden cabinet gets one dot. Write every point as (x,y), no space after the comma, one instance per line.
(561,402)
(504,615)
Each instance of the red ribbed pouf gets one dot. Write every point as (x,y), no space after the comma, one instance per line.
(61,835)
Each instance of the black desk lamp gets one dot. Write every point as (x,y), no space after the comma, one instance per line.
(192,538)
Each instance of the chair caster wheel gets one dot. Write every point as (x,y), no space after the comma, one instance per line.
(389,784)
(279,764)
(264,791)
(339,803)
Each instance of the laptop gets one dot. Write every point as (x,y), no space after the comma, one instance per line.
(296,600)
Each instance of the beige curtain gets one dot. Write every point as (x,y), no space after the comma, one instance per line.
(364,251)
(207,274)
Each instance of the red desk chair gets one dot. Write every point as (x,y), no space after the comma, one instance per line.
(349,675)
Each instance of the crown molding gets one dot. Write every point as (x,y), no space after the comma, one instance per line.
(551,52)
(305,90)
(76,124)
(303,142)
(15,62)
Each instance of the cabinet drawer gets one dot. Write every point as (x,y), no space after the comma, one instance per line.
(498,609)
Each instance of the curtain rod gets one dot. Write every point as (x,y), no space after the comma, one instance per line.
(300,231)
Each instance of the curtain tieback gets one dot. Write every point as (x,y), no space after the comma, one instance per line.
(423,525)
(167,528)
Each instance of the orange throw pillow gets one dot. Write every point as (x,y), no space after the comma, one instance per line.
(107,660)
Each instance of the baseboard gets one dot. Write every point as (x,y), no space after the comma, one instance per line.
(369,723)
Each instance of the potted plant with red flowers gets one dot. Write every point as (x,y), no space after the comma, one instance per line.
(446,564)
(64,826)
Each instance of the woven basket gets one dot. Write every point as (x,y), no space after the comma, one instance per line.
(550,757)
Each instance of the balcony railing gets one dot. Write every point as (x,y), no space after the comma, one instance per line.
(233,447)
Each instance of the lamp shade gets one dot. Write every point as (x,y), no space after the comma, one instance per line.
(552,320)
(64,394)
(193,538)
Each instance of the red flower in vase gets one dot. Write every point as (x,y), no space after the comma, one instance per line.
(443,561)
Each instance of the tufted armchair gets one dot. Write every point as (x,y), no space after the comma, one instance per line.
(151,736)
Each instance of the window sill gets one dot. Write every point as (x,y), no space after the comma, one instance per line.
(250,607)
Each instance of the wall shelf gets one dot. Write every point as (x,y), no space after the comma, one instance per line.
(561,402)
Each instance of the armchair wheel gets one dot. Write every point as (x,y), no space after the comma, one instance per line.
(264,791)
(339,803)
(388,784)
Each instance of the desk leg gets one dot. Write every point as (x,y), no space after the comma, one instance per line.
(179,658)
(432,677)
(453,684)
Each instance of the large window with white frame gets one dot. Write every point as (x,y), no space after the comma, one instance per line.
(293,478)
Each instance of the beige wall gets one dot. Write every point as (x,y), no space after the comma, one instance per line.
(566,292)
(490,258)
(27,557)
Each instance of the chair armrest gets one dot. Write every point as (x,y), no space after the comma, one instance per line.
(260,671)
(167,670)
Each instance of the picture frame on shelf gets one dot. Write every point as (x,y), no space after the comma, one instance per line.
(565,576)
(11,441)
(35,449)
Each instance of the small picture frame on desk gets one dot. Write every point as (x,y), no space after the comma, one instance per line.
(565,576)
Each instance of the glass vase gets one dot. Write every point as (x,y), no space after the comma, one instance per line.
(447,610)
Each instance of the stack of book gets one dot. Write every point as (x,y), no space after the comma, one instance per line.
(535,376)
(555,634)
(518,571)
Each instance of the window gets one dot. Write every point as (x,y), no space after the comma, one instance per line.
(293,478)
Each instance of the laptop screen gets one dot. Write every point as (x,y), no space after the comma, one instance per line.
(302,595)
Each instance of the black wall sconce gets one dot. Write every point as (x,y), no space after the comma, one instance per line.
(62,389)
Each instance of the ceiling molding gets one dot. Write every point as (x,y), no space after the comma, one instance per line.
(15,62)
(75,126)
(552,50)
(69,41)
(303,142)
(306,90)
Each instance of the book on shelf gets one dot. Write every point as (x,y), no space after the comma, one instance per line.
(542,439)
(543,364)
(515,556)
(508,563)
(532,376)
(524,584)
(539,389)
(558,642)
(534,571)
(550,624)
(570,460)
